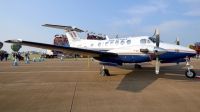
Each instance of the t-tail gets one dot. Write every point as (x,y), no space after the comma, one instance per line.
(73,37)
(71,33)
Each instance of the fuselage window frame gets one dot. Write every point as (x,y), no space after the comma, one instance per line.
(128,42)
(143,41)
(111,43)
(106,44)
(92,45)
(99,44)
(122,42)
(117,43)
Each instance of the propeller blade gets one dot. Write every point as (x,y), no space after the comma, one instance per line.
(177,41)
(157,37)
(157,65)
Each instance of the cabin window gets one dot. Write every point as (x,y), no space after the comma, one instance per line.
(128,42)
(122,42)
(117,43)
(111,43)
(143,41)
(92,45)
(99,44)
(106,44)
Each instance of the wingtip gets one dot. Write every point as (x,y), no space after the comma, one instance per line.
(7,41)
(13,41)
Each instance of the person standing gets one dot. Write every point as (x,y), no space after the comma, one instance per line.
(6,56)
(2,56)
(27,56)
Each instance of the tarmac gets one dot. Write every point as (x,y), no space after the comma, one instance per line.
(70,86)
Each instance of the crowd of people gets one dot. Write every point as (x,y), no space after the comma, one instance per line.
(3,55)
(18,56)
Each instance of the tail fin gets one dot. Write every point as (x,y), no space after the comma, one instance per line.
(107,38)
(73,37)
(71,33)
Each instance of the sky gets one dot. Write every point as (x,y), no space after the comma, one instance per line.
(23,19)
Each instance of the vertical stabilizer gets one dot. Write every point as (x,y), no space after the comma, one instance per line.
(73,38)
(107,38)
(71,33)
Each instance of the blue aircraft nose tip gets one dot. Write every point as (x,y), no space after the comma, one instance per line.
(158,50)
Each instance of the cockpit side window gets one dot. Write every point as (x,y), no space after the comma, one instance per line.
(148,41)
(143,41)
(152,39)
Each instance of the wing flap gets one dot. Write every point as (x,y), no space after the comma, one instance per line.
(92,53)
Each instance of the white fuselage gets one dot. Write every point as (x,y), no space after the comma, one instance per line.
(128,45)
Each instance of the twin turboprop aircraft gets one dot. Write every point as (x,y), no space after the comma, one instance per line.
(115,52)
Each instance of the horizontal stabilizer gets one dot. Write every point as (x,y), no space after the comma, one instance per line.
(63,27)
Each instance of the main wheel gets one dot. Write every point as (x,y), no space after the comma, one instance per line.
(190,74)
(102,72)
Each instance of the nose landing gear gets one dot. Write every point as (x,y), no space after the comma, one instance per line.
(189,73)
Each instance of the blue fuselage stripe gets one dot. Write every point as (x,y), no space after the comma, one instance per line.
(138,58)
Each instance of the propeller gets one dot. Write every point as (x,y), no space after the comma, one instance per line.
(177,43)
(156,51)
(157,37)
(157,45)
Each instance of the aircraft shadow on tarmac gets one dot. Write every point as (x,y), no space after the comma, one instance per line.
(139,79)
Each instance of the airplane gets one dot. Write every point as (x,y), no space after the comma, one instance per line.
(115,52)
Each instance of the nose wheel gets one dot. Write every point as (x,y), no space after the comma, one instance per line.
(104,72)
(190,73)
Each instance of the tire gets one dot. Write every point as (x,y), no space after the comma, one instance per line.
(191,75)
(107,72)
(102,72)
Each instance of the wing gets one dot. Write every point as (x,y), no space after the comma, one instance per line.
(62,27)
(92,53)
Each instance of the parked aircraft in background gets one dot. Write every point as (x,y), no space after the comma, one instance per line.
(195,47)
(115,52)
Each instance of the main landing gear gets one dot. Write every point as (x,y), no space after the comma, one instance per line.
(138,66)
(104,72)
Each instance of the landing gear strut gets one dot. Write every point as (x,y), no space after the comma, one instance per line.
(189,73)
(138,66)
(104,72)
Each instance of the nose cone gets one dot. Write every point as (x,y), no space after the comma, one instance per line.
(159,51)
(192,52)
